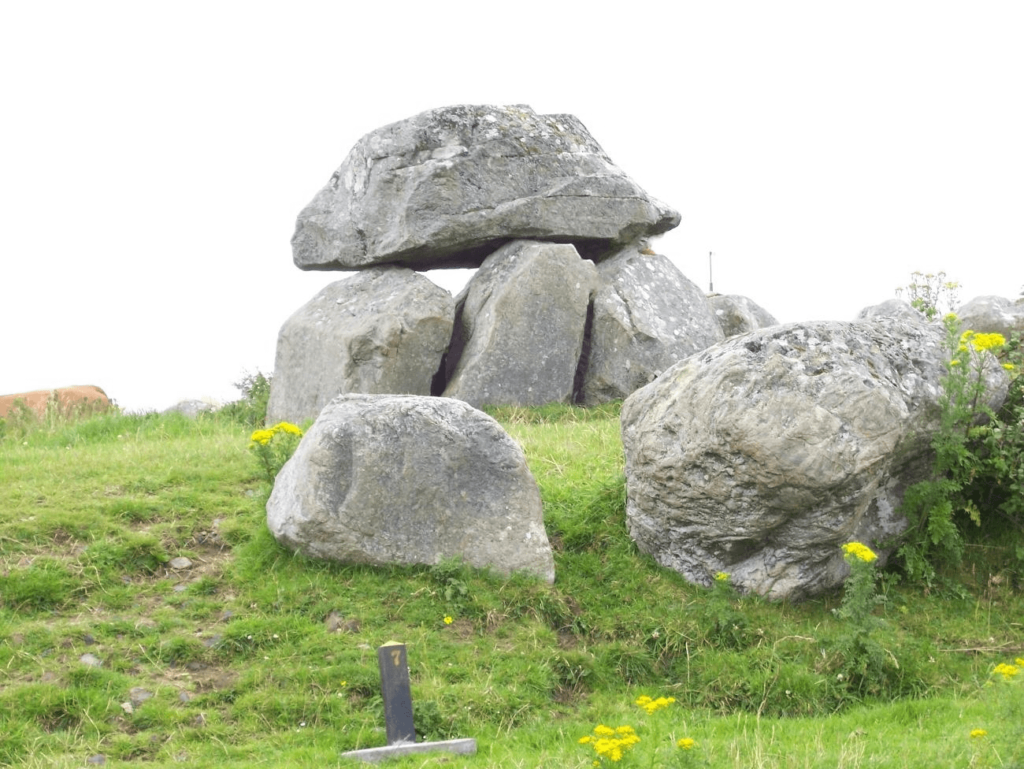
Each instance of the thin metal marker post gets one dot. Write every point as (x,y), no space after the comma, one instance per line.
(401,736)
(394,687)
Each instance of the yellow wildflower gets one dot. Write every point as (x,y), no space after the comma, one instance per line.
(975,733)
(722,576)
(1006,671)
(287,427)
(610,744)
(949,316)
(1020,661)
(262,437)
(982,342)
(1009,366)
(447,619)
(859,551)
(687,743)
(654,705)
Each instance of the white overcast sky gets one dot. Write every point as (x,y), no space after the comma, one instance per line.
(154,156)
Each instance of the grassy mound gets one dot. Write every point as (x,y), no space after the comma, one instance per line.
(147,615)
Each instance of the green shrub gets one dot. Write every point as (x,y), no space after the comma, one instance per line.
(251,409)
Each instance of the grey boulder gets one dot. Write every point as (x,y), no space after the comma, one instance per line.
(738,314)
(763,455)
(190,408)
(448,186)
(384,330)
(389,479)
(522,325)
(647,316)
(992,315)
(892,308)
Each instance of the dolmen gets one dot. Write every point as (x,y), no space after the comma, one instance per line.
(569,302)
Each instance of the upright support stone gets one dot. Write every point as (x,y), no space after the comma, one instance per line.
(394,686)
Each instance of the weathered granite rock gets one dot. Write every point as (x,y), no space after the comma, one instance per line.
(738,315)
(992,315)
(445,188)
(381,331)
(522,326)
(647,316)
(389,479)
(762,455)
(892,308)
(79,400)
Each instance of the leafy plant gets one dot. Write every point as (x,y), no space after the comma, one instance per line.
(974,449)
(931,294)
(724,624)
(863,659)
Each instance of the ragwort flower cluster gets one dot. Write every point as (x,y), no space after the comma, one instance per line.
(652,705)
(610,744)
(274,446)
(859,551)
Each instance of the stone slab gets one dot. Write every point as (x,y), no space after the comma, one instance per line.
(463,747)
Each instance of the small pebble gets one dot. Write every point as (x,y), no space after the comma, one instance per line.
(181,562)
(139,695)
(91,660)
(99,758)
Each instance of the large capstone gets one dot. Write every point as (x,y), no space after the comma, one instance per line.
(763,455)
(446,187)
(647,316)
(388,479)
(522,325)
(384,330)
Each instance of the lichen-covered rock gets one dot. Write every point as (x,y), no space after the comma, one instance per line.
(447,187)
(388,479)
(384,330)
(522,325)
(892,308)
(762,455)
(647,316)
(992,315)
(738,314)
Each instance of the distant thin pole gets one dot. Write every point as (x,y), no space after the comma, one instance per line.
(711,277)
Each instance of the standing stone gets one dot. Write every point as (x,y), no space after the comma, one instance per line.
(647,316)
(445,188)
(384,330)
(738,315)
(763,455)
(391,479)
(523,323)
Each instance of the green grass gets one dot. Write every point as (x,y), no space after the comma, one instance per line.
(254,656)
